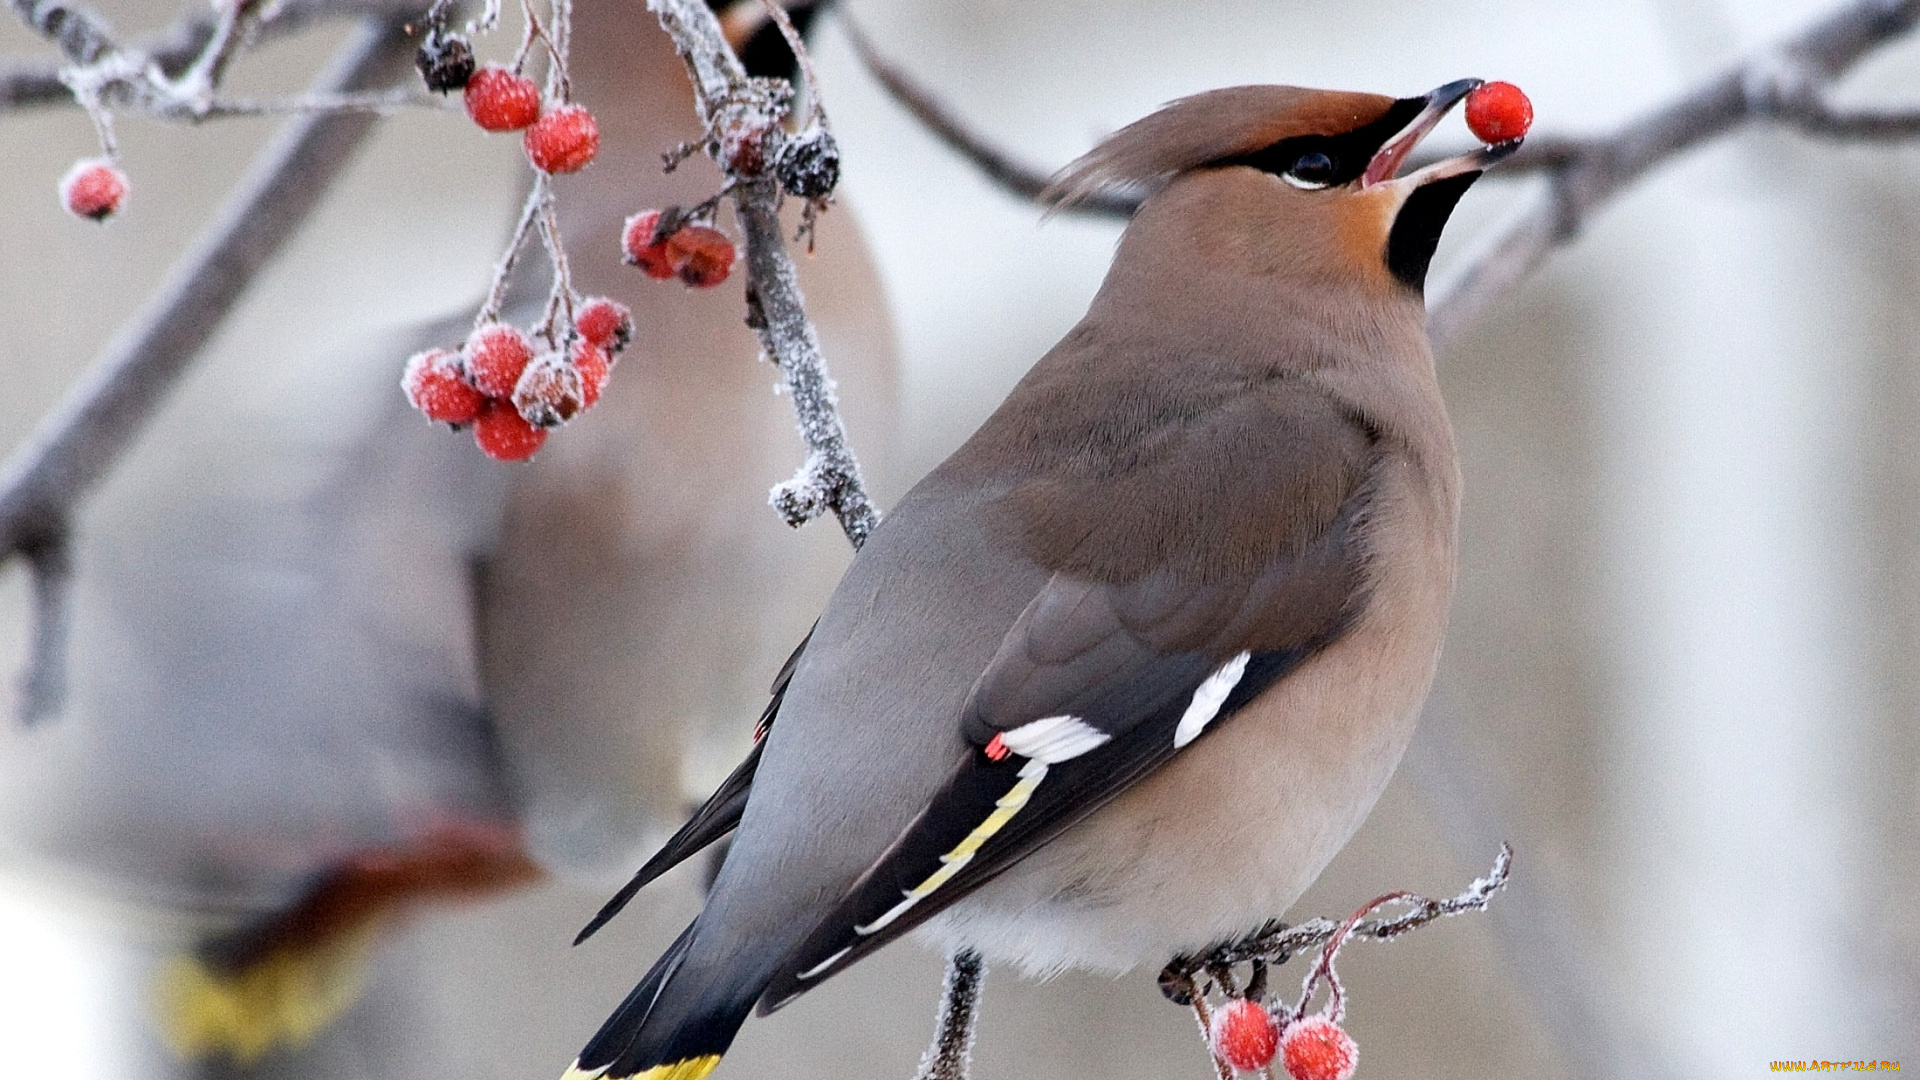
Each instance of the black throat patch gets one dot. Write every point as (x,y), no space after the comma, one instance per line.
(1416,230)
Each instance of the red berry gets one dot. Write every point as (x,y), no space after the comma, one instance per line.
(1244,1035)
(1498,112)
(499,100)
(707,254)
(496,355)
(549,393)
(643,249)
(436,384)
(595,367)
(563,141)
(604,323)
(1317,1049)
(502,433)
(93,189)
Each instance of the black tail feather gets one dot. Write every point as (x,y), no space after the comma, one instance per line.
(675,1024)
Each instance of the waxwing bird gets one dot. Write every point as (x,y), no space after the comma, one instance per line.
(1200,558)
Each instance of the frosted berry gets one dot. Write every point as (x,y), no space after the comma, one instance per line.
(706,255)
(809,164)
(743,145)
(594,366)
(563,141)
(1498,112)
(549,392)
(93,189)
(1244,1035)
(496,355)
(499,100)
(504,435)
(604,323)
(445,60)
(1316,1048)
(644,247)
(435,382)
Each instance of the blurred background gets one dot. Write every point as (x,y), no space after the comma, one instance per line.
(1684,667)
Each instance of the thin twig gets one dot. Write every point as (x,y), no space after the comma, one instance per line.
(1018,177)
(503,270)
(172,52)
(200,80)
(46,479)
(830,479)
(1276,942)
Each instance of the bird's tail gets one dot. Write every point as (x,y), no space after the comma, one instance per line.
(675,1025)
(206,1009)
(278,981)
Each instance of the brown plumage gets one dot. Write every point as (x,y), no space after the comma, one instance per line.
(1206,546)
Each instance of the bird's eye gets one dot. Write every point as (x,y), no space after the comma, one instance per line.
(1312,170)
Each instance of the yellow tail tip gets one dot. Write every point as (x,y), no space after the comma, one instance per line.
(693,1068)
(281,1002)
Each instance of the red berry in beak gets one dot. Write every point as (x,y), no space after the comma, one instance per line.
(1498,112)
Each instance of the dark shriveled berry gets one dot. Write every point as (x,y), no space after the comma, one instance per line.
(445,60)
(809,164)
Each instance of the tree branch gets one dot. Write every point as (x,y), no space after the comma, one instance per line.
(1786,85)
(1018,177)
(84,37)
(730,103)
(45,480)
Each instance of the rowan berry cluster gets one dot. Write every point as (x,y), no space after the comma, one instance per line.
(512,394)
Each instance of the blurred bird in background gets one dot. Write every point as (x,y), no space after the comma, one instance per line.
(1202,555)
(330,670)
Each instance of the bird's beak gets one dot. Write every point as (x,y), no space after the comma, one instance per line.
(1439,102)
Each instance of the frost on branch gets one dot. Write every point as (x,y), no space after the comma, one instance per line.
(1314,1046)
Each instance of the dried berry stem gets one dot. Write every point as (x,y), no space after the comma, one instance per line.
(816,110)
(503,270)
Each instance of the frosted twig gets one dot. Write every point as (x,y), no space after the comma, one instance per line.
(383,102)
(950,1055)
(776,11)
(84,39)
(725,95)
(198,82)
(46,479)
(1275,943)
(503,270)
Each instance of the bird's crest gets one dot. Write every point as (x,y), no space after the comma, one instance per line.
(1208,127)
